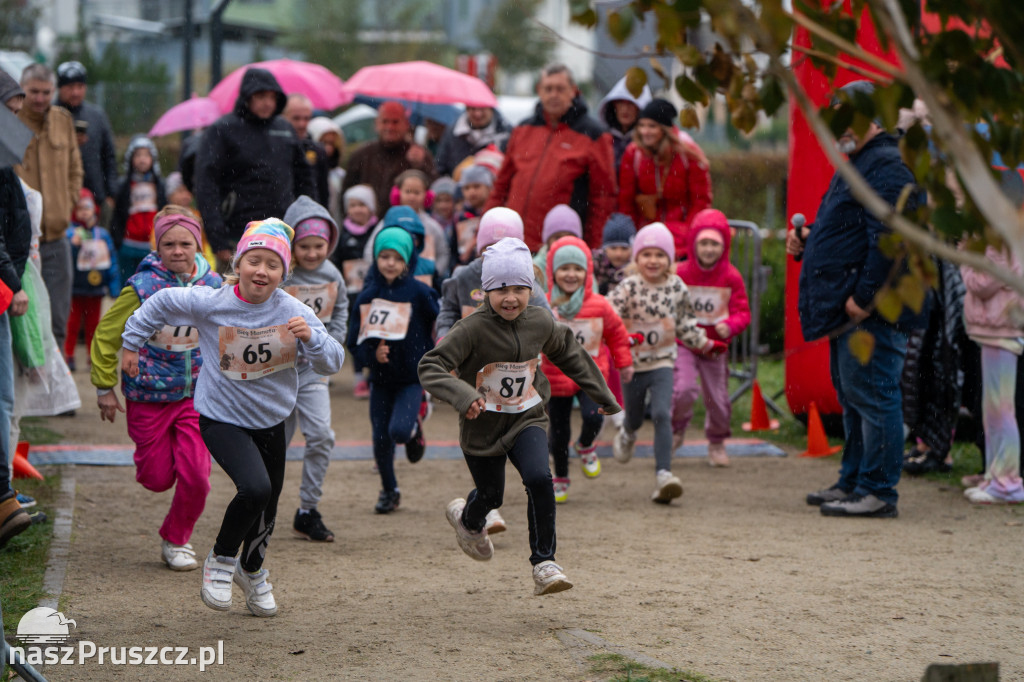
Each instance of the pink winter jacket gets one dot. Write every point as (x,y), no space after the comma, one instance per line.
(988,301)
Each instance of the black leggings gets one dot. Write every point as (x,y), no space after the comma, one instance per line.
(560,430)
(529,456)
(254,460)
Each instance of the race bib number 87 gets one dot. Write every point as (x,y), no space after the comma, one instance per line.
(247,354)
(508,386)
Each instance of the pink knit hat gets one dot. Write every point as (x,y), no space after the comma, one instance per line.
(164,223)
(272,234)
(655,236)
(496,224)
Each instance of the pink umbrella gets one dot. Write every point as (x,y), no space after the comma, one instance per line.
(421,82)
(321,86)
(197,112)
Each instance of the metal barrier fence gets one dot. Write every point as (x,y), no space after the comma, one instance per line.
(746,348)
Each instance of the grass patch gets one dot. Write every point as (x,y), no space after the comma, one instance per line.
(36,431)
(618,668)
(23,558)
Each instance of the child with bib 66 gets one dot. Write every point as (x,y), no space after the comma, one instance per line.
(486,368)
(251,333)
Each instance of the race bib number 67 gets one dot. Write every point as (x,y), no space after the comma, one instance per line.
(247,354)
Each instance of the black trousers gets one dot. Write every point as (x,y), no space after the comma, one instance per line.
(529,456)
(254,460)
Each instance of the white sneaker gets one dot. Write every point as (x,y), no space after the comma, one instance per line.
(495,524)
(476,545)
(258,591)
(548,578)
(717,456)
(618,419)
(669,487)
(623,446)
(179,557)
(216,591)
(588,460)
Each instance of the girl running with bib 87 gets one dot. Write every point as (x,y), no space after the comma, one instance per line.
(251,332)
(486,368)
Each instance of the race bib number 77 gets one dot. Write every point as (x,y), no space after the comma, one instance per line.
(247,354)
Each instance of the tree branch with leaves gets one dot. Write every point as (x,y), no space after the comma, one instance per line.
(965,74)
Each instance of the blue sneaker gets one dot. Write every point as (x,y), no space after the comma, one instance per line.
(25,501)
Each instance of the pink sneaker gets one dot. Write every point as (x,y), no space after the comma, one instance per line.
(362,390)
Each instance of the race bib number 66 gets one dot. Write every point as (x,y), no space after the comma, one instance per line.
(247,354)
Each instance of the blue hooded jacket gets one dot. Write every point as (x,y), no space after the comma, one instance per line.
(841,257)
(404,358)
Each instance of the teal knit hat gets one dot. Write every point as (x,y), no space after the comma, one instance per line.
(569,254)
(396,239)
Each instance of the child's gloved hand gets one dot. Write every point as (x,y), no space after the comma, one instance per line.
(713,349)
(636,339)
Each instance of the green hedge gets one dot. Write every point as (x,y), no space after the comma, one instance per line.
(751,185)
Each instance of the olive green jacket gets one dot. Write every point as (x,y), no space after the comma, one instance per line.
(449,372)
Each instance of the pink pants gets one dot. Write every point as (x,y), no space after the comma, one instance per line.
(714,381)
(169,449)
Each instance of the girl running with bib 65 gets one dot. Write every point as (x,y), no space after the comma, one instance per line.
(251,332)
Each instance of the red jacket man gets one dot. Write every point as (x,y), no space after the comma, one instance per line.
(559,156)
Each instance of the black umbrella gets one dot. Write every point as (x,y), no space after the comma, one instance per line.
(14,138)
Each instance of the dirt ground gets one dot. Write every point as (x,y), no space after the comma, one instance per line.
(738,580)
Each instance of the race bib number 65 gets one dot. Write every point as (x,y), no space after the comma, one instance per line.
(247,354)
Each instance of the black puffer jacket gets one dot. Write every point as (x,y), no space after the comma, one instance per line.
(99,160)
(932,378)
(15,230)
(249,168)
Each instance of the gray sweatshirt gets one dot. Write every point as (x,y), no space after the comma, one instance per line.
(243,337)
(461,293)
(314,288)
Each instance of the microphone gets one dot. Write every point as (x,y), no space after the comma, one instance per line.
(798,221)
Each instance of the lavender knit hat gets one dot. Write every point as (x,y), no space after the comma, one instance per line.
(508,263)
(561,218)
(655,236)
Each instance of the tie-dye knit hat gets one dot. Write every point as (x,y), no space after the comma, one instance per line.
(272,234)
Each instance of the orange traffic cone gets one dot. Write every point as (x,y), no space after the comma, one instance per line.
(20,466)
(759,413)
(817,442)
